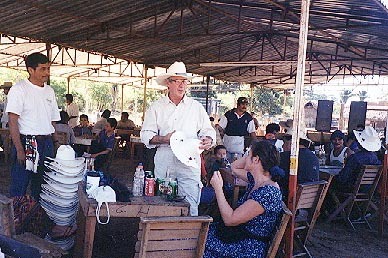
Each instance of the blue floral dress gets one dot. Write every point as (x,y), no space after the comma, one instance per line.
(270,198)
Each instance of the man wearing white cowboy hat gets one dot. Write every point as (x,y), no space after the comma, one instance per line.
(32,108)
(4,119)
(177,112)
(369,142)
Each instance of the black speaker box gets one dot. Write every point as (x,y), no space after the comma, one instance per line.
(324,113)
(357,114)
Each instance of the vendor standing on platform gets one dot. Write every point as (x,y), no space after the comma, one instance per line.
(177,112)
(32,109)
(237,123)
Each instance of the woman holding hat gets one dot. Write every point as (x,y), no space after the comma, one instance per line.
(339,152)
(369,142)
(247,230)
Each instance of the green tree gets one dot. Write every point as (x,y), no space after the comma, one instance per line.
(60,89)
(101,95)
(79,100)
(345,95)
(267,101)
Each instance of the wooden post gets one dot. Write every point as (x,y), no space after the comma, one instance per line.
(145,68)
(122,98)
(68,85)
(305,6)
(207,93)
(49,52)
(251,97)
(383,194)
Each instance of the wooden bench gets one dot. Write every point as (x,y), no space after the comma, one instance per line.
(172,237)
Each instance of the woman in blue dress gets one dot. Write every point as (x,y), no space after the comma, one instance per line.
(258,211)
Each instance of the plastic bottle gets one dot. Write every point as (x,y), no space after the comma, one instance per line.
(141,178)
(136,183)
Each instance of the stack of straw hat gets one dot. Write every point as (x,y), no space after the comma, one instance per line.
(59,195)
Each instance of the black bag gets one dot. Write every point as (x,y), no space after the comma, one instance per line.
(235,234)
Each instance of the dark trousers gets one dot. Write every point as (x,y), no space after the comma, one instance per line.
(20,177)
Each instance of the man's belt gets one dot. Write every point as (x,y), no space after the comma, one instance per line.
(37,137)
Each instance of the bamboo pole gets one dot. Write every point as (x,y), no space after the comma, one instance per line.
(207,93)
(68,85)
(305,6)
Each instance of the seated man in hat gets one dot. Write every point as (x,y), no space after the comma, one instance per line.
(236,124)
(308,163)
(369,142)
(339,152)
(104,144)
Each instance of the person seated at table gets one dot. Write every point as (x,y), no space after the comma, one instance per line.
(125,122)
(271,131)
(339,152)
(369,142)
(217,161)
(63,126)
(104,144)
(247,230)
(308,163)
(83,129)
(100,124)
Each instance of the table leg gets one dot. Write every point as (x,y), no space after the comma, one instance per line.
(84,242)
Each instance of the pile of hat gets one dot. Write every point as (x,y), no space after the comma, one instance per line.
(59,195)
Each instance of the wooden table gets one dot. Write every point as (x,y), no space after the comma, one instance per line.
(143,206)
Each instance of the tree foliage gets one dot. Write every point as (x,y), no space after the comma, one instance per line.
(267,101)
(101,95)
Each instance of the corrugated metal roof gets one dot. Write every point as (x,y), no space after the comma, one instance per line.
(345,36)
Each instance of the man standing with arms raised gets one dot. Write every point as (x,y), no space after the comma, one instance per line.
(237,123)
(177,112)
(32,108)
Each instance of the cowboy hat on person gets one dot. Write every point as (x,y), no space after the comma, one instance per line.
(6,85)
(176,69)
(186,150)
(368,138)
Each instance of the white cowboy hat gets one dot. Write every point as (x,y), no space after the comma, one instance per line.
(6,85)
(368,138)
(66,171)
(66,157)
(61,187)
(186,150)
(63,179)
(176,69)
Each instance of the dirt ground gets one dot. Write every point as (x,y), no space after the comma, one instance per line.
(118,238)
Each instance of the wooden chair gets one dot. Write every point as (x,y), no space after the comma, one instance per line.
(62,138)
(172,237)
(277,239)
(360,197)
(309,199)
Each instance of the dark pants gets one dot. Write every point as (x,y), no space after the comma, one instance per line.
(20,177)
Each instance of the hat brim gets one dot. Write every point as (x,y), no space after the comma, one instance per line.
(162,79)
(63,179)
(186,150)
(371,145)
(77,162)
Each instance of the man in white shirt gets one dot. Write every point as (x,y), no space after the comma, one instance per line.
(4,119)
(72,110)
(177,112)
(32,109)
(237,123)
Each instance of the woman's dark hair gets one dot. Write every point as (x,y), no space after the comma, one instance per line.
(112,122)
(64,117)
(34,59)
(269,158)
(106,113)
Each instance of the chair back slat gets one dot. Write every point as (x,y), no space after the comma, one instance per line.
(309,194)
(172,236)
(273,249)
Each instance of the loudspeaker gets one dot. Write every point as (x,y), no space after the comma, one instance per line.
(324,113)
(357,114)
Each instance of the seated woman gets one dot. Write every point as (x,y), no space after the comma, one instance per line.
(258,210)
(104,144)
(339,152)
(62,126)
(83,129)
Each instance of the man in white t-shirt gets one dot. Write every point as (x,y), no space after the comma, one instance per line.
(32,109)
(72,111)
